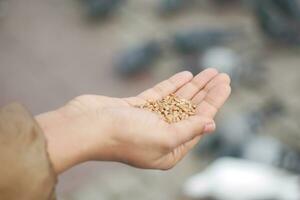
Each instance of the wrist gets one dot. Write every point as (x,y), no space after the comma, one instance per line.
(63,140)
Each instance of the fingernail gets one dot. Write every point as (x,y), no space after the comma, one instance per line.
(210,127)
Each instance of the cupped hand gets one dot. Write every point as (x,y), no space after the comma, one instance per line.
(114,129)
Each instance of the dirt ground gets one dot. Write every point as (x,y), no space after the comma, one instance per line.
(49,54)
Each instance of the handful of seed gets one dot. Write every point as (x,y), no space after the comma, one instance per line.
(171,108)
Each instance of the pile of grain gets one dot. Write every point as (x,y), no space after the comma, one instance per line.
(171,108)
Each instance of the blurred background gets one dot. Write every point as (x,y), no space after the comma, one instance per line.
(54,50)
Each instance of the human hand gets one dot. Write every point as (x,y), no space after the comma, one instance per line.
(104,128)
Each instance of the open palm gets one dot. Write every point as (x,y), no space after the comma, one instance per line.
(143,139)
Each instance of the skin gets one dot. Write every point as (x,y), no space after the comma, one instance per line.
(92,127)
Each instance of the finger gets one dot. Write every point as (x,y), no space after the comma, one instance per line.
(221,82)
(186,147)
(208,128)
(214,99)
(177,154)
(190,144)
(220,78)
(196,84)
(167,87)
(209,107)
(188,129)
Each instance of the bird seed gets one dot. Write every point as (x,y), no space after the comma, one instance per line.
(171,108)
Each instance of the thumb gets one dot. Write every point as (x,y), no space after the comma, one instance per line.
(193,126)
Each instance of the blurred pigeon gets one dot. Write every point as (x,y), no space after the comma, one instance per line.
(277,153)
(291,8)
(195,41)
(171,6)
(100,9)
(138,59)
(290,160)
(224,59)
(237,129)
(237,179)
(279,19)
(240,68)
(225,2)
(256,150)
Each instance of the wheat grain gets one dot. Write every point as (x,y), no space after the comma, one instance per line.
(171,108)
